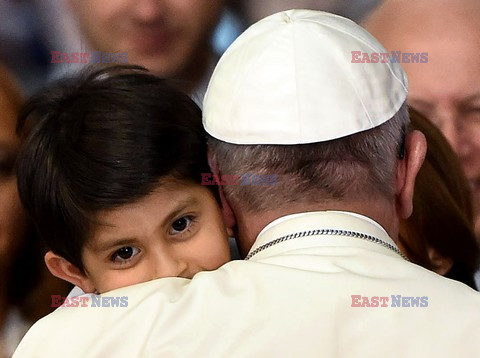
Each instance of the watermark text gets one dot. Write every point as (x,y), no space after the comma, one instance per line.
(389,301)
(89,301)
(394,57)
(87,57)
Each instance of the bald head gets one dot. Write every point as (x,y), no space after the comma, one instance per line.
(448,30)
(393,16)
(446,88)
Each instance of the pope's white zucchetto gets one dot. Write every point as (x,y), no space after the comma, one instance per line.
(289,79)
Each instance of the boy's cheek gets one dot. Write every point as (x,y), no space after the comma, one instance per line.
(209,249)
(112,279)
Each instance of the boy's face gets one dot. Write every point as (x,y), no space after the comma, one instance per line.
(176,231)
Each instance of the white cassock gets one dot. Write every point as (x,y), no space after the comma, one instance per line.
(292,298)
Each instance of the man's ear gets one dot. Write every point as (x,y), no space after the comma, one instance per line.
(63,269)
(228,215)
(407,170)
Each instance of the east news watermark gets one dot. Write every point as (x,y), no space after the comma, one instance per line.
(89,301)
(393,57)
(90,57)
(389,301)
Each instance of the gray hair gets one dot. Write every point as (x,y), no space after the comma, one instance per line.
(355,167)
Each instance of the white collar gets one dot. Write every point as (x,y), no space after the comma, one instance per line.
(291,225)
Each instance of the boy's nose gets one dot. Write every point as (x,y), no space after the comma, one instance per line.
(167,265)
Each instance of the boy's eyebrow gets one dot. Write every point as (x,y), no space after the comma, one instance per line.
(181,206)
(113,243)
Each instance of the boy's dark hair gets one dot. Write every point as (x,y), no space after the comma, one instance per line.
(100,141)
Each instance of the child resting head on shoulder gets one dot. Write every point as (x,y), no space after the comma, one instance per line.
(111,174)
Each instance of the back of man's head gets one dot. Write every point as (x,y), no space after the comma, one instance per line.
(296,106)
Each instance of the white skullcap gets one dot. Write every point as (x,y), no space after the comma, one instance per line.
(289,79)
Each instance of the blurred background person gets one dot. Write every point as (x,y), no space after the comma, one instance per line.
(169,37)
(13,221)
(447,88)
(22,45)
(172,38)
(439,235)
(26,285)
(179,39)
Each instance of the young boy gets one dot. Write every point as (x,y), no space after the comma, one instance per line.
(111,174)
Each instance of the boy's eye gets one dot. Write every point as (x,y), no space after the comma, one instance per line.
(181,224)
(125,253)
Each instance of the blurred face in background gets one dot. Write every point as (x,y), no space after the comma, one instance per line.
(169,37)
(12,217)
(452,101)
(446,89)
